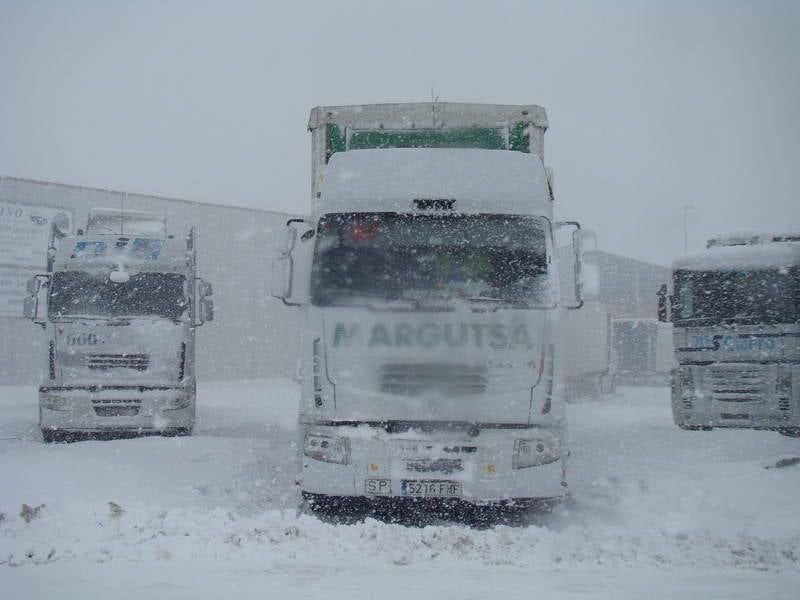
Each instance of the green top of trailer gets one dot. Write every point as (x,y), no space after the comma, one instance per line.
(430,125)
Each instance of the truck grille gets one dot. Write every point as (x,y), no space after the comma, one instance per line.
(785,407)
(103,362)
(737,383)
(116,407)
(416,379)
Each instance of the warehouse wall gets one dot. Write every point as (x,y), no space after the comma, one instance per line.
(253,335)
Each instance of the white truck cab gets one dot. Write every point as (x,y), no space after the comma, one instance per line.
(120,306)
(432,305)
(735,310)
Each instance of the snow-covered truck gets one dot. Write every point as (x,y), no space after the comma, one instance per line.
(642,350)
(432,308)
(735,310)
(589,367)
(120,306)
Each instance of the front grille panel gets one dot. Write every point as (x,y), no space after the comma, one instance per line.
(445,466)
(737,383)
(417,379)
(104,362)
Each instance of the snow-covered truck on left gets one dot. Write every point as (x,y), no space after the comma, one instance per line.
(120,305)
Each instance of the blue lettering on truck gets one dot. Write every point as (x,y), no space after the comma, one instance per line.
(731,343)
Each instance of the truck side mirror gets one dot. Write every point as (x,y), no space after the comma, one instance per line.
(576,256)
(663,315)
(283,264)
(205,306)
(590,285)
(29,307)
(590,269)
(282,276)
(285,240)
(206,310)
(35,286)
(32,285)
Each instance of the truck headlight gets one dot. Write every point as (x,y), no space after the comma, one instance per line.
(54,403)
(327,448)
(177,403)
(535,452)
(686,381)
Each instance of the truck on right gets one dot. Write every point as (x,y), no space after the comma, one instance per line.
(735,310)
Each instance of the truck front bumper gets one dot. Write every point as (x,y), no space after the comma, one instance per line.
(140,408)
(478,471)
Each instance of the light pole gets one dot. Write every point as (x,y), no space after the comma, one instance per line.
(686,208)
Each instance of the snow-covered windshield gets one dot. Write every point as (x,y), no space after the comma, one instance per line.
(76,293)
(757,296)
(422,259)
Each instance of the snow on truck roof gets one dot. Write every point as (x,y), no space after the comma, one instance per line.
(747,238)
(773,255)
(479,181)
(427,114)
(137,253)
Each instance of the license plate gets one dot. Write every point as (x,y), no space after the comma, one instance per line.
(378,487)
(735,416)
(426,488)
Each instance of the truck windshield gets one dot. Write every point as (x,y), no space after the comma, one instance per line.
(420,260)
(78,294)
(763,296)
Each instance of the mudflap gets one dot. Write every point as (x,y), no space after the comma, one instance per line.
(420,512)
(55,436)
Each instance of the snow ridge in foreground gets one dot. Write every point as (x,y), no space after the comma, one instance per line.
(141,534)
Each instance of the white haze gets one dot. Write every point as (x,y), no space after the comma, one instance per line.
(652,105)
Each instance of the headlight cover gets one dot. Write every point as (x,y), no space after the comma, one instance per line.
(535,452)
(177,402)
(327,448)
(55,403)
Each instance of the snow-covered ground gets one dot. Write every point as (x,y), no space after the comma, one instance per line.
(657,513)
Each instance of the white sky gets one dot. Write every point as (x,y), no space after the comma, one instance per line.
(652,105)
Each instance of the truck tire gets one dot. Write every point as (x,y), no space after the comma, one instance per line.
(52,436)
(686,427)
(178,432)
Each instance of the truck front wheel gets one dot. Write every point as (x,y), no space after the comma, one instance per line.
(52,436)
(686,427)
(179,432)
